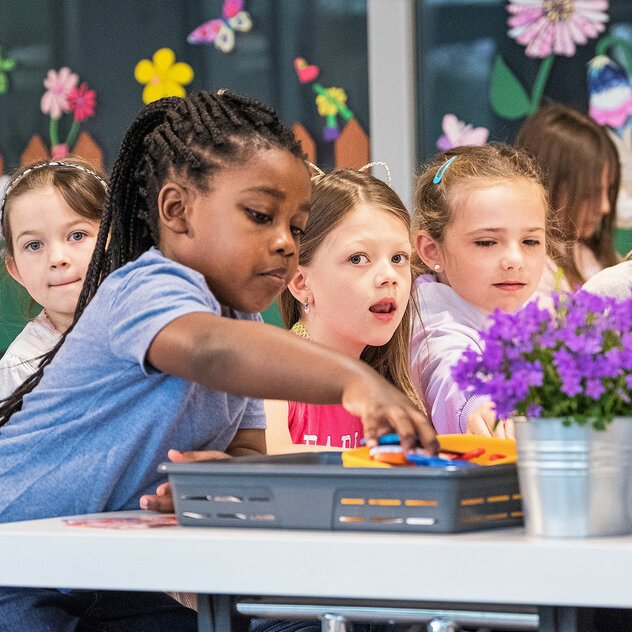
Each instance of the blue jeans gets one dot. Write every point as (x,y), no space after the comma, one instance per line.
(50,610)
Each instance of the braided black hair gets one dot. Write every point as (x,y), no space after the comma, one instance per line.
(191,138)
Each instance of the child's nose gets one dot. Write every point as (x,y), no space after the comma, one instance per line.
(283,242)
(512,258)
(58,256)
(386,274)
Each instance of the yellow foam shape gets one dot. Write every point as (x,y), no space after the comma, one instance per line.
(463,443)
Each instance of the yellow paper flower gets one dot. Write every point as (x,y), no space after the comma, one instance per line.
(327,106)
(162,77)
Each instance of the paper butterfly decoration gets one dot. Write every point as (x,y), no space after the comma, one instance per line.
(221,31)
(457,133)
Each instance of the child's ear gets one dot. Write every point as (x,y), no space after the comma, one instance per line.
(173,203)
(298,286)
(428,249)
(12,269)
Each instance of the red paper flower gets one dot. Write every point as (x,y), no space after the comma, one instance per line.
(81,101)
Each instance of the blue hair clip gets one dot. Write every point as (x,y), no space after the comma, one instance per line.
(442,169)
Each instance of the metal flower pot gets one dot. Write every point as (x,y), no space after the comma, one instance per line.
(575,481)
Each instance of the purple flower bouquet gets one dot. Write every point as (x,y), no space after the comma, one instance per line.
(572,362)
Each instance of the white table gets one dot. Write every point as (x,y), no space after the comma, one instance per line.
(495,566)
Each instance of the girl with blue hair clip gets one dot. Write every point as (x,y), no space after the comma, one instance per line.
(482,226)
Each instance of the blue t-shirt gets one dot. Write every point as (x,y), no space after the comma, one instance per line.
(91,435)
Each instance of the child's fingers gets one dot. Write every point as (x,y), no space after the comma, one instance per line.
(410,425)
(413,429)
(508,426)
(163,490)
(163,504)
(476,425)
(427,433)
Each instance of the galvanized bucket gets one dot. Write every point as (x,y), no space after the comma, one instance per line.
(575,481)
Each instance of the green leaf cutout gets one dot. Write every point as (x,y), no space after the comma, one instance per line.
(508,98)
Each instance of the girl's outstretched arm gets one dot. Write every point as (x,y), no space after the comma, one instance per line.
(257,360)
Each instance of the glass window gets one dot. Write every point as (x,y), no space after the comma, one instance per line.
(457,44)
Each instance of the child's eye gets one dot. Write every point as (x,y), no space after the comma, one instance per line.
(33,246)
(257,217)
(358,259)
(485,243)
(296,231)
(76,236)
(400,257)
(531,242)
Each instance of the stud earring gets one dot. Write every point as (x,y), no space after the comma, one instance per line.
(306,304)
(436,267)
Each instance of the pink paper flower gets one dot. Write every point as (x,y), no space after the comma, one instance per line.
(456,132)
(546,26)
(59,84)
(81,101)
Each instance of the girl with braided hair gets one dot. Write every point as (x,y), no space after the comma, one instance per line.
(208,199)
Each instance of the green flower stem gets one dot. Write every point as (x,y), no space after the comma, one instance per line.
(540,81)
(345,112)
(72,135)
(605,43)
(54,136)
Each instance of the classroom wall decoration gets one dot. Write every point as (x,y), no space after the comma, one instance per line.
(221,31)
(456,132)
(163,76)
(6,66)
(64,95)
(610,91)
(547,28)
(331,102)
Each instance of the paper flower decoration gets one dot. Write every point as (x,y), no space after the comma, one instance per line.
(58,84)
(81,101)
(63,96)
(6,66)
(456,133)
(546,26)
(162,76)
(330,102)
(222,30)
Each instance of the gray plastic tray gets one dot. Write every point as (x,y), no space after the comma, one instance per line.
(314,491)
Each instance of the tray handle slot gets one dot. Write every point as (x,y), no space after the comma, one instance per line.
(227,499)
(232,516)
(195,516)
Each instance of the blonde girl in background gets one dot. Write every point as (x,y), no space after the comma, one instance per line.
(582,174)
(50,219)
(350,293)
(481,221)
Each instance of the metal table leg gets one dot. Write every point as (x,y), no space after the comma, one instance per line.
(565,619)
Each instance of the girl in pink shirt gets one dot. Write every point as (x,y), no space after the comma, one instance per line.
(351,292)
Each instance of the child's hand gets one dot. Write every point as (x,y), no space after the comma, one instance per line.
(162,500)
(483,420)
(383,408)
